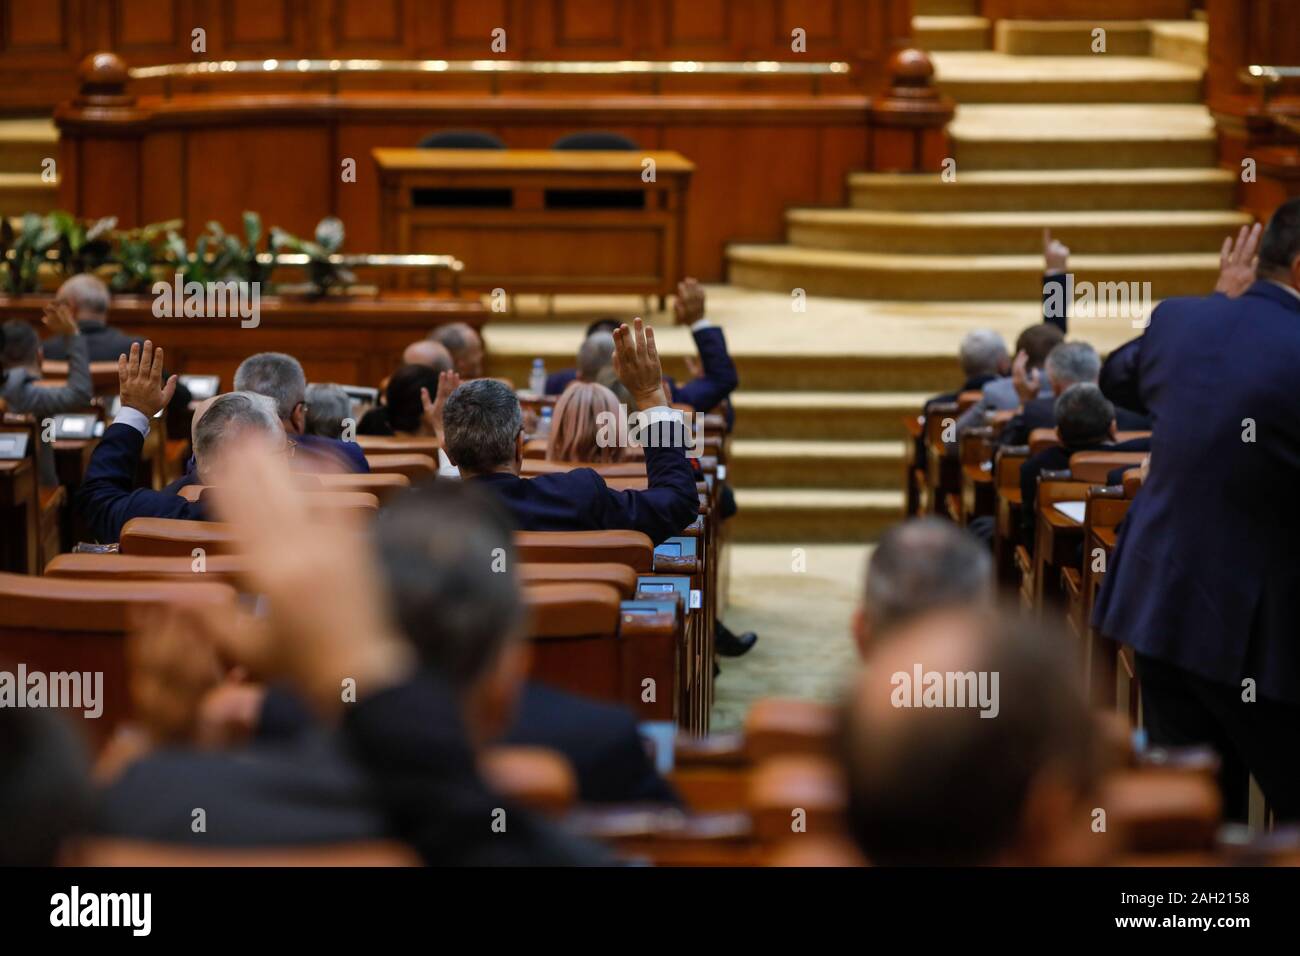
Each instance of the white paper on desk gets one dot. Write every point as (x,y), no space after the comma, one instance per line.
(1071,509)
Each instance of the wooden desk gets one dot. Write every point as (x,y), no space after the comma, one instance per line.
(527,244)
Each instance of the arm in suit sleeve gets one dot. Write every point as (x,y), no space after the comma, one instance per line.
(408,739)
(1056,306)
(720,378)
(669,503)
(108,499)
(43,401)
(1120,379)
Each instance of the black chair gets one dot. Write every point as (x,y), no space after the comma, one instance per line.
(462,198)
(588,198)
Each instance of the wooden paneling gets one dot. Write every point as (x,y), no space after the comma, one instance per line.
(42,43)
(752,163)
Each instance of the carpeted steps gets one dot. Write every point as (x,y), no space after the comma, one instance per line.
(1113,151)
(24,144)
(951,33)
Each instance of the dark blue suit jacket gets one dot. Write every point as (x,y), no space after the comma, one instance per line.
(1205,574)
(703,394)
(108,498)
(579,500)
(1041,413)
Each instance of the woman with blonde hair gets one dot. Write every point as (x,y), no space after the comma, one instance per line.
(577,424)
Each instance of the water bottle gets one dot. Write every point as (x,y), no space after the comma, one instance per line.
(544,426)
(537,379)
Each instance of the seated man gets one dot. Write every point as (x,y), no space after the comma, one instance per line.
(280,378)
(921,567)
(464,344)
(1025,383)
(108,498)
(983,356)
(21,365)
(329,407)
(430,353)
(946,786)
(88,298)
(592,357)
(403,411)
(483,431)
(1068,364)
(1085,420)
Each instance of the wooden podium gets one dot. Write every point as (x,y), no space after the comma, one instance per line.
(541,220)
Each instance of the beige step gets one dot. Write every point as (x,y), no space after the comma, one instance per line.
(1046,190)
(945,8)
(1072,37)
(1183,41)
(785,463)
(1010,233)
(842,416)
(869,275)
(26,192)
(819,514)
(780,372)
(25,143)
(950,33)
(998,78)
(1082,137)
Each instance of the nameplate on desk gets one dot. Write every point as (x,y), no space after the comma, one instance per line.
(13,446)
(73,427)
(1074,510)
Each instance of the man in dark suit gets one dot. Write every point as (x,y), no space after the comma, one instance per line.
(88,298)
(716,376)
(483,432)
(108,497)
(1067,364)
(280,378)
(1085,420)
(1204,583)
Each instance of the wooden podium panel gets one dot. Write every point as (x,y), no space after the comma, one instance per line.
(529,244)
(349,340)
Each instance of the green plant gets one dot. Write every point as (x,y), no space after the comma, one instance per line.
(321,272)
(135,252)
(83,245)
(24,250)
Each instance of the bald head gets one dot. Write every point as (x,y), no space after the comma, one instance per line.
(967,741)
(430,353)
(465,346)
(87,296)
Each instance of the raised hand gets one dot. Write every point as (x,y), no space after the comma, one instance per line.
(327,620)
(1055,253)
(448,382)
(1238,260)
(139,377)
(1027,381)
(688,307)
(637,363)
(58,318)
(173,663)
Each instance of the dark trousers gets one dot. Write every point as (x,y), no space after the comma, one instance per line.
(1181,709)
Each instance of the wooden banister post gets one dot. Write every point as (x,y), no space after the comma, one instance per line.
(908,123)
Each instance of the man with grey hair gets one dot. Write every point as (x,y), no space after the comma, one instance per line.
(328,407)
(923,566)
(465,346)
(88,299)
(595,355)
(1069,363)
(483,432)
(983,355)
(280,378)
(108,498)
(20,376)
